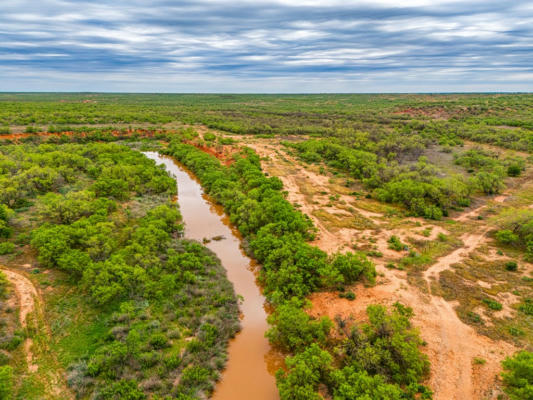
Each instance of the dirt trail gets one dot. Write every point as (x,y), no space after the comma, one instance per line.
(25,291)
(31,306)
(26,294)
(452,345)
(452,348)
(470,242)
(477,211)
(459,343)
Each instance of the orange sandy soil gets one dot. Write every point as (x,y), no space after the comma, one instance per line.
(452,345)
(28,301)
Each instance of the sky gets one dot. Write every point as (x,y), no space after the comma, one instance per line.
(284,46)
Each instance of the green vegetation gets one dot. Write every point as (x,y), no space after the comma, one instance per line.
(518,376)
(517,229)
(493,304)
(478,304)
(396,244)
(167,307)
(373,365)
(511,266)
(388,142)
(416,184)
(527,307)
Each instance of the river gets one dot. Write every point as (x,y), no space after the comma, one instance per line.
(251,361)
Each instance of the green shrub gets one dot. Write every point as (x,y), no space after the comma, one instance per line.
(489,182)
(347,295)
(6,382)
(4,360)
(195,377)
(493,304)
(6,248)
(514,170)
(158,341)
(396,244)
(441,237)
(513,331)
(526,307)
(511,266)
(122,390)
(3,285)
(172,361)
(352,266)
(474,317)
(12,342)
(208,136)
(506,236)
(294,330)
(374,348)
(304,373)
(5,229)
(518,376)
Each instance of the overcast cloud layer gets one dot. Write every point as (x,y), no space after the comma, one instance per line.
(260,46)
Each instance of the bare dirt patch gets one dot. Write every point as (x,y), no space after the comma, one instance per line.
(26,293)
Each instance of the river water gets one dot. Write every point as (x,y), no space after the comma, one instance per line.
(251,361)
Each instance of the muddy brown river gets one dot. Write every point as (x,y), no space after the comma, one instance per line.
(251,361)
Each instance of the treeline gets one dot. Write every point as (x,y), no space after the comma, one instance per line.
(101,213)
(417,185)
(378,360)
(501,120)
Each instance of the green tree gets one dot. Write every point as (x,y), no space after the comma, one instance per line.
(388,346)
(294,330)
(304,373)
(489,182)
(507,236)
(518,376)
(122,390)
(351,384)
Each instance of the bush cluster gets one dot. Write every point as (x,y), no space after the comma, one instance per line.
(416,185)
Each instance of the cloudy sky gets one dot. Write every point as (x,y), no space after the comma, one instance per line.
(266,46)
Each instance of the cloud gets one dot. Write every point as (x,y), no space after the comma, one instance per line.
(264,46)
